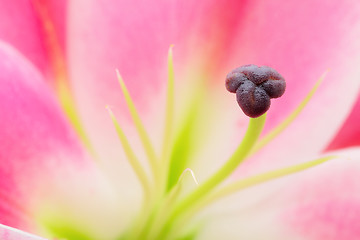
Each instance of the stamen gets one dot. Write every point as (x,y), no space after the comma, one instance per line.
(145,140)
(288,120)
(254,87)
(134,162)
(255,180)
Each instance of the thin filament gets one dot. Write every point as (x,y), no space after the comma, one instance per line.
(134,162)
(169,119)
(145,140)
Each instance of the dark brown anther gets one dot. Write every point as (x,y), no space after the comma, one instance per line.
(254,87)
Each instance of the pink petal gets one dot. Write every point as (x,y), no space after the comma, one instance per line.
(8,233)
(21,19)
(319,203)
(45,175)
(349,134)
(132,37)
(329,202)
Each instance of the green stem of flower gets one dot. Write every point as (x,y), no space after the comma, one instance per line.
(254,130)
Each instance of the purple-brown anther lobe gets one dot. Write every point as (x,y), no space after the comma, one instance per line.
(254,87)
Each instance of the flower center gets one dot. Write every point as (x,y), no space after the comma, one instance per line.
(164,210)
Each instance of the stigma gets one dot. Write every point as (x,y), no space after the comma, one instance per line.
(254,87)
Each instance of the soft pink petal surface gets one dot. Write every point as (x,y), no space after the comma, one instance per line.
(301,40)
(7,233)
(20,20)
(319,203)
(44,172)
(329,202)
(349,134)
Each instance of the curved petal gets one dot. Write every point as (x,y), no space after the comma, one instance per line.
(8,233)
(22,19)
(47,180)
(319,203)
(349,133)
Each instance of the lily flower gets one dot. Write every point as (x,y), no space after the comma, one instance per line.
(168,153)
